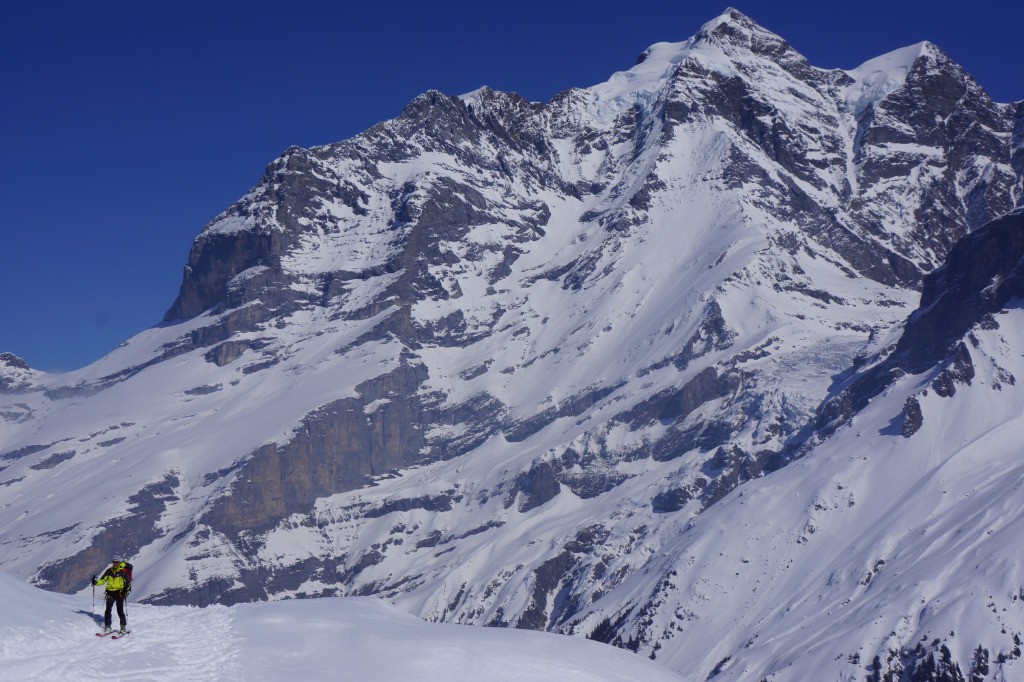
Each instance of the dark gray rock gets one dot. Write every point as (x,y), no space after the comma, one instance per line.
(435,503)
(673,405)
(671,500)
(335,449)
(217,258)
(982,273)
(555,573)
(229,351)
(958,369)
(12,360)
(570,407)
(54,459)
(205,390)
(913,418)
(1017,140)
(25,451)
(538,486)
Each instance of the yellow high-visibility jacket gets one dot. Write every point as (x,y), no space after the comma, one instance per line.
(114,579)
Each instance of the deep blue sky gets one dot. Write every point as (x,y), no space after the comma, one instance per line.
(127,126)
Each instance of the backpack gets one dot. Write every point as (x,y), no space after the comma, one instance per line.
(127,574)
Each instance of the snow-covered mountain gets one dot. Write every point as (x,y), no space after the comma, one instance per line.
(891,549)
(523,364)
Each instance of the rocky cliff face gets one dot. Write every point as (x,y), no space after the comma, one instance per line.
(490,357)
(983,274)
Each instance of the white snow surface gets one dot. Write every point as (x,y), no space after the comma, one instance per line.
(878,77)
(45,636)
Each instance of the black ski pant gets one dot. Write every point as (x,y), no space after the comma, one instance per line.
(115,598)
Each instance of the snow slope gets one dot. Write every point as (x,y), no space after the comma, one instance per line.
(44,636)
(868,545)
(897,537)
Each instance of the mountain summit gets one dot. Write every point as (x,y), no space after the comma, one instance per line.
(531,364)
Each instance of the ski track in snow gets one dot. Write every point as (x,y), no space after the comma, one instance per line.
(165,644)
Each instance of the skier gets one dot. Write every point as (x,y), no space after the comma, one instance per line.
(117,589)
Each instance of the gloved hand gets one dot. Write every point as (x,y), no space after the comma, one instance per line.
(94,580)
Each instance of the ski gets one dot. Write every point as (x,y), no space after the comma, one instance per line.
(104,634)
(119,636)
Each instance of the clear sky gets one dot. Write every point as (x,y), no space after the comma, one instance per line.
(127,126)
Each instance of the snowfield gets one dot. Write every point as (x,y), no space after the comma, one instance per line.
(46,636)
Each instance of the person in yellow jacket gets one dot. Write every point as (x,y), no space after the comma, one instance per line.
(117,590)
